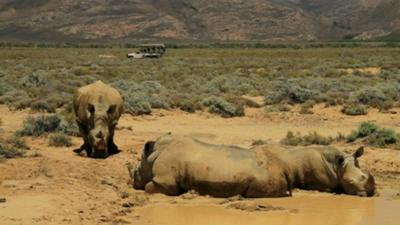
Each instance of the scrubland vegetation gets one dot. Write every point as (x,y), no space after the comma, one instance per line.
(56,127)
(205,79)
(12,147)
(217,80)
(367,133)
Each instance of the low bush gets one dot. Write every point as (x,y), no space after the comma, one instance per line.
(313,138)
(259,142)
(306,108)
(136,106)
(35,79)
(241,101)
(289,91)
(42,106)
(373,135)
(37,126)
(59,140)
(13,147)
(140,98)
(355,109)
(220,106)
(277,108)
(189,106)
(371,96)
(383,137)
(292,139)
(69,127)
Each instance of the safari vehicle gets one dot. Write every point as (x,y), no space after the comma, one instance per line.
(148,51)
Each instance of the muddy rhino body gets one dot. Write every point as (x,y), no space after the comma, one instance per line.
(175,164)
(98,108)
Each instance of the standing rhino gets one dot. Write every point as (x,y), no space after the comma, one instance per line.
(97,108)
(174,164)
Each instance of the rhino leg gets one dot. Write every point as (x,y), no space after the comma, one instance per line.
(86,145)
(112,147)
(263,189)
(164,188)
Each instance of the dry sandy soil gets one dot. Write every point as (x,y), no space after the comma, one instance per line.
(55,186)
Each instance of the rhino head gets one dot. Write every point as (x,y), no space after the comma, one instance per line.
(143,172)
(352,179)
(102,123)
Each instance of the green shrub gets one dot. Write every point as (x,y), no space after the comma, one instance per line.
(371,96)
(367,128)
(383,137)
(59,140)
(259,142)
(292,139)
(312,138)
(241,101)
(283,108)
(186,102)
(373,135)
(13,147)
(69,128)
(36,126)
(290,91)
(277,108)
(42,106)
(35,79)
(140,98)
(137,106)
(189,106)
(80,71)
(4,88)
(354,109)
(306,108)
(17,142)
(13,96)
(222,107)
(9,151)
(352,136)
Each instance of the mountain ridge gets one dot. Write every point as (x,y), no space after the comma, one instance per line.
(233,20)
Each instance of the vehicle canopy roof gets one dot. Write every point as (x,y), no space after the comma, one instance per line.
(152,48)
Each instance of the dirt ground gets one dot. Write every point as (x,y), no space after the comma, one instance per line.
(55,186)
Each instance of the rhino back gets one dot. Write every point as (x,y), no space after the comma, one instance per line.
(310,167)
(209,169)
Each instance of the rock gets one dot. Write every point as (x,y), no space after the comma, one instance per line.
(128,204)
(2,200)
(124,194)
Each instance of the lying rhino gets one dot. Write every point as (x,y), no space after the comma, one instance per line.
(97,108)
(174,164)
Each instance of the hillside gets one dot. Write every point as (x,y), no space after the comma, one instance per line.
(68,20)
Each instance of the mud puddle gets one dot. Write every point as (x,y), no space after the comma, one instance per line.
(298,210)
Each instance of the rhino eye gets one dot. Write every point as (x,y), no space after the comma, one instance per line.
(91,108)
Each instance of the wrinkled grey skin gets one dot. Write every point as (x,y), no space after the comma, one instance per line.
(98,108)
(174,164)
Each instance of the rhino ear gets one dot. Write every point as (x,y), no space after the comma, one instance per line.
(148,148)
(359,152)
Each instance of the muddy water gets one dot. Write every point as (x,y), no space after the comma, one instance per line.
(301,210)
